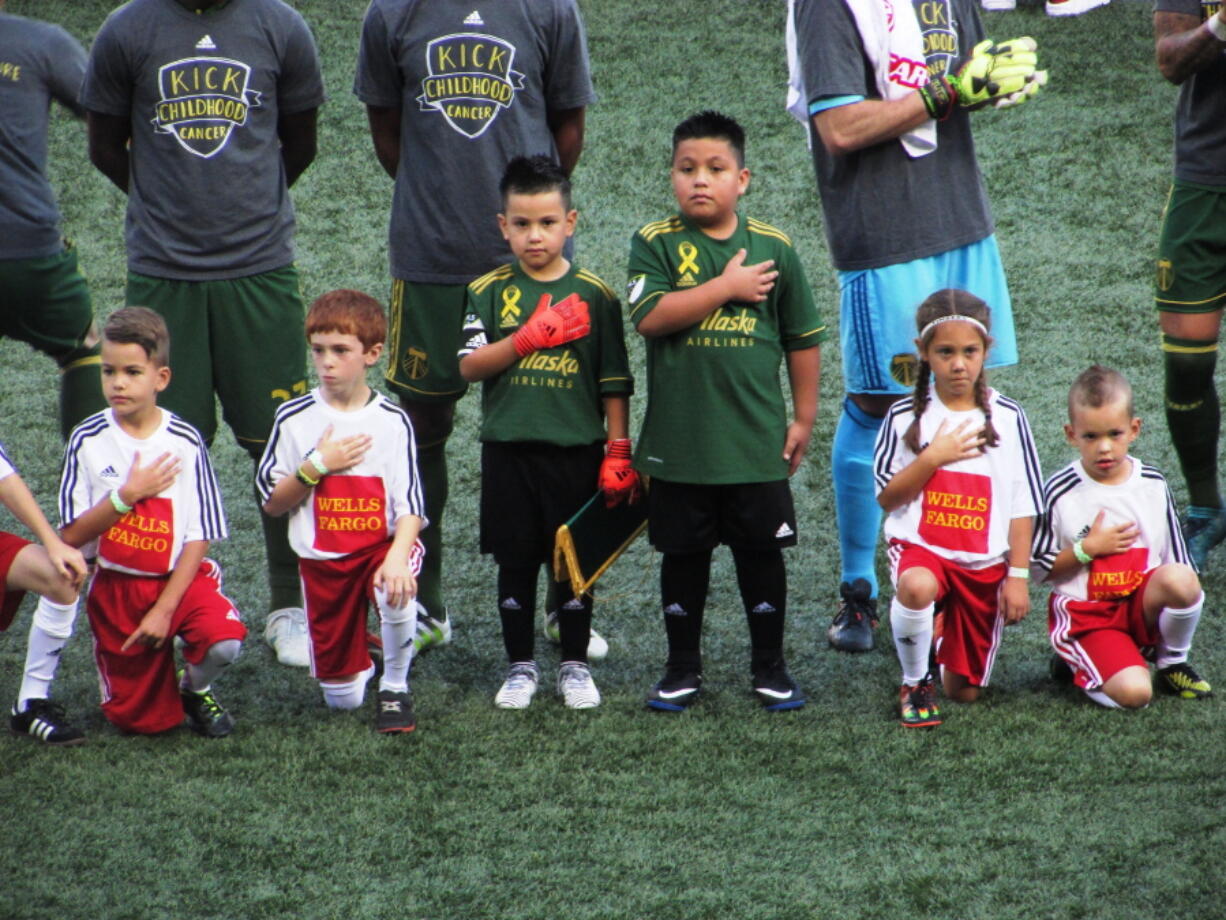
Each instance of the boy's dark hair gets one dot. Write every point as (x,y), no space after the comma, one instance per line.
(534,175)
(140,326)
(1097,386)
(949,302)
(712,124)
(348,312)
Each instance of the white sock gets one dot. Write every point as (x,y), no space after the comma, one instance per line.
(397,626)
(347,694)
(49,633)
(1102,699)
(912,639)
(199,677)
(1177,625)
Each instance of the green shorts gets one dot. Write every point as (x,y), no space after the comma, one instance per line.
(423,341)
(242,338)
(46,304)
(1191,276)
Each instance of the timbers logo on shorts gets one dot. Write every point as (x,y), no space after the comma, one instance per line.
(203,100)
(470,80)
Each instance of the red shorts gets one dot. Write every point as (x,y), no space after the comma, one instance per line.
(139,690)
(968,603)
(10,546)
(337,594)
(1099,639)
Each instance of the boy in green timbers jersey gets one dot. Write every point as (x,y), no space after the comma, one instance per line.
(721,300)
(546,337)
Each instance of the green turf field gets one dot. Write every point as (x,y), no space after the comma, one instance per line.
(1031,804)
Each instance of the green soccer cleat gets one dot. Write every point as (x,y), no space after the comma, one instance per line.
(1203,529)
(205,716)
(431,632)
(1183,681)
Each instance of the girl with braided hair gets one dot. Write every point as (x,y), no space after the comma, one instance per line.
(956,472)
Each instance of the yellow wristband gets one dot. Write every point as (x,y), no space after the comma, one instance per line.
(305,479)
(1082,556)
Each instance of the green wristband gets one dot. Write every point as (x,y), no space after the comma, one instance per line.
(1082,556)
(118,502)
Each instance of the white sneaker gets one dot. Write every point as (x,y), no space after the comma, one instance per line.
(998,5)
(577,687)
(432,632)
(1073,7)
(286,631)
(518,689)
(597,647)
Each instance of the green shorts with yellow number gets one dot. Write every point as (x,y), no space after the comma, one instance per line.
(423,341)
(241,338)
(47,305)
(1191,276)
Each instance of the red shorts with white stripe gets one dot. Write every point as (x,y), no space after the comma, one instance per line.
(140,692)
(10,546)
(337,594)
(968,610)
(1098,639)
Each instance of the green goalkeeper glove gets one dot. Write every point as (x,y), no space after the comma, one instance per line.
(992,73)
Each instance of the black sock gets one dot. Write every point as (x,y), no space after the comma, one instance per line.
(763,580)
(574,623)
(517,609)
(1193,414)
(683,595)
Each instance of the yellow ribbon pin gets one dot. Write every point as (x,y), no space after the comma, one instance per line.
(688,252)
(510,305)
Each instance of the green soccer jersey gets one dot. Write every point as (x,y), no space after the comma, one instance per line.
(553,395)
(715,410)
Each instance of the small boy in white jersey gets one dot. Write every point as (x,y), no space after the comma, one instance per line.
(139,494)
(1109,542)
(342,462)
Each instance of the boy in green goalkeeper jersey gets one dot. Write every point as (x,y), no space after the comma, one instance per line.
(721,300)
(546,337)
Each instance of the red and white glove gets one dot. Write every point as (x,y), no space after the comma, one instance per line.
(618,480)
(553,324)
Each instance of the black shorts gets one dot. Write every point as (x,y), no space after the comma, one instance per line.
(528,490)
(685,517)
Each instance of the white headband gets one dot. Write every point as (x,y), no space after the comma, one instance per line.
(954,317)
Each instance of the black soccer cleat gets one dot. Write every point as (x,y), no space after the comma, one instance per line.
(394,712)
(852,627)
(775,689)
(46,722)
(205,715)
(675,691)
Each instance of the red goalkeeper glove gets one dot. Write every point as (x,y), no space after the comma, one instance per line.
(618,480)
(553,324)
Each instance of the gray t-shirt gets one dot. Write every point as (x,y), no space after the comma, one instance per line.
(474,84)
(1200,116)
(38,63)
(207,197)
(881,206)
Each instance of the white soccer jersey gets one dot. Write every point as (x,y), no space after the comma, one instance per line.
(964,511)
(6,465)
(148,539)
(1071,502)
(359,507)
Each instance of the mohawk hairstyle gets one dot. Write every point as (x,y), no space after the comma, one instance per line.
(1097,386)
(534,175)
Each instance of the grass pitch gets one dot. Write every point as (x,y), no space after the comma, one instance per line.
(1030,804)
